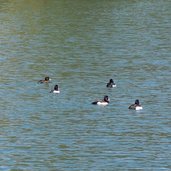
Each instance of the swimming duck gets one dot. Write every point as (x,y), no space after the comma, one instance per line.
(103,102)
(46,80)
(136,105)
(111,84)
(55,90)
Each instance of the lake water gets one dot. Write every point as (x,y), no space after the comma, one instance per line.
(81,45)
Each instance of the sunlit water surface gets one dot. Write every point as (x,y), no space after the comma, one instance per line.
(81,45)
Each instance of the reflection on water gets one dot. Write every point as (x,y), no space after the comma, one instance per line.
(81,45)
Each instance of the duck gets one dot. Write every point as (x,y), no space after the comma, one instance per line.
(136,105)
(111,84)
(46,80)
(103,102)
(55,90)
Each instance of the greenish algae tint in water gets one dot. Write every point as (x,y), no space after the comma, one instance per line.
(81,45)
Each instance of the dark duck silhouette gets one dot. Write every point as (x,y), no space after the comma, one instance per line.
(136,105)
(111,84)
(103,102)
(55,90)
(46,80)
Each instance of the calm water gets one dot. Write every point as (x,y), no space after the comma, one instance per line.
(81,45)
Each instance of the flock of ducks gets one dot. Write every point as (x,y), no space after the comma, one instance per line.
(104,102)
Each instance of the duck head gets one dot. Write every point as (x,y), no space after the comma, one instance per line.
(137,102)
(106,99)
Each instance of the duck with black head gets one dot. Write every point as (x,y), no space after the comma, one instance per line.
(136,105)
(55,90)
(103,102)
(111,84)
